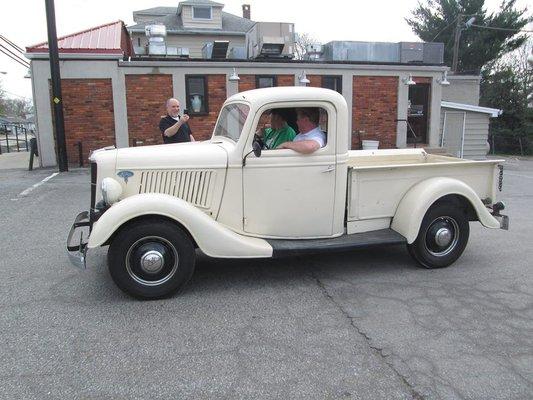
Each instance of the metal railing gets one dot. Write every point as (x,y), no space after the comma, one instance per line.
(14,137)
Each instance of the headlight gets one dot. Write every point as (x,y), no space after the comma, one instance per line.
(111,190)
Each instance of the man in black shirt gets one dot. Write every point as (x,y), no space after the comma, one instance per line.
(174,128)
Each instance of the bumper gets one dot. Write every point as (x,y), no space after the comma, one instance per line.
(502,219)
(77,250)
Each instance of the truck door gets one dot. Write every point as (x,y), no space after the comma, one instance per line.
(288,194)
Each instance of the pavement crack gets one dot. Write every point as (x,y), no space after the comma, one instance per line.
(377,350)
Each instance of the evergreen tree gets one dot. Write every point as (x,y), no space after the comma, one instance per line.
(436,20)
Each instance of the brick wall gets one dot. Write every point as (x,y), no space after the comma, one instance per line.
(145,98)
(202,125)
(88,114)
(315,81)
(374,110)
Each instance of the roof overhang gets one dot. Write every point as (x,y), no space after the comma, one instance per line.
(77,55)
(493,112)
(192,32)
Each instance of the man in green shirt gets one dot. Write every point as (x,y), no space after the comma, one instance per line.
(279,131)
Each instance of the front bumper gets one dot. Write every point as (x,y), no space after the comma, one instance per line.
(77,250)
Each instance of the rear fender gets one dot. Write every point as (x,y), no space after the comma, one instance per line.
(419,198)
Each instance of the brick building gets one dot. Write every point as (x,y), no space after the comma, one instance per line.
(112,98)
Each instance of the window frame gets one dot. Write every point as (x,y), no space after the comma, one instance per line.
(335,77)
(201,18)
(205,94)
(273,77)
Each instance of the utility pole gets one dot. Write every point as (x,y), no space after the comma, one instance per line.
(57,101)
(458,29)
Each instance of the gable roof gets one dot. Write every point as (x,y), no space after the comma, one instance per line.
(198,3)
(111,39)
(231,24)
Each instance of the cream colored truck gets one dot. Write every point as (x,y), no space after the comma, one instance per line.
(230,198)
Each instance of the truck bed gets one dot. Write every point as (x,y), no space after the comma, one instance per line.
(378,180)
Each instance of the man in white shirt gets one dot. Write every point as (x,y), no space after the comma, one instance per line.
(311,138)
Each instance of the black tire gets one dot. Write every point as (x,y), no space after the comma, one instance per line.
(151,259)
(442,238)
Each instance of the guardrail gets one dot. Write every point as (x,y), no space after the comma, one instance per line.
(14,138)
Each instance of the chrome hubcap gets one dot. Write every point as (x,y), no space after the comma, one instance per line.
(442,236)
(152,262)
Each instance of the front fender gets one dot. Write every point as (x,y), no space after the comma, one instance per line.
(419,198)
(212,238)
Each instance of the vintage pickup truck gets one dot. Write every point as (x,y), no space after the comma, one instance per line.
(231,198)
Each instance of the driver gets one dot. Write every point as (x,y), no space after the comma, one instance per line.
(279,131)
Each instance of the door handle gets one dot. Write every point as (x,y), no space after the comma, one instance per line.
(330,169)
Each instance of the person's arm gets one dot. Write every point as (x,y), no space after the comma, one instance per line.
(192,138)
(175,128)
(302,146)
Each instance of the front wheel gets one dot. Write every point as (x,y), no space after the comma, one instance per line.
(150,259)
(442,237)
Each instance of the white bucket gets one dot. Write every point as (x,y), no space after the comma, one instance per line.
(370,144)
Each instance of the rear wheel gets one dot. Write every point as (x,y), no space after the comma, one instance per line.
(442,237)
(151,259)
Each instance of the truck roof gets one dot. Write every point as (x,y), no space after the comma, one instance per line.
(290,93)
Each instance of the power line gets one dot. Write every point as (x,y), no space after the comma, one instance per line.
(501,29)
(14,57)
(443,29)
(20,49)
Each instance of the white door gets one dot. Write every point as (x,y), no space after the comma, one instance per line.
(292,195)
(288,194)
(453,132)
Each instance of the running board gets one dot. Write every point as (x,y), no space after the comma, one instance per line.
(286,247)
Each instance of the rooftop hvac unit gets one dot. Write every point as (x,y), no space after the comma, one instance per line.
(156,39)
(313,52)
(270,39)
(215,50)
(411,52)
(237,53)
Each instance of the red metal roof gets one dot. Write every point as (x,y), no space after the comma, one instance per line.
(111,38)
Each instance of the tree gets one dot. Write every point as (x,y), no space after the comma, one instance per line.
(507,84)
(436,20)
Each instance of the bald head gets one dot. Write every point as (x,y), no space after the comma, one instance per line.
(173,107)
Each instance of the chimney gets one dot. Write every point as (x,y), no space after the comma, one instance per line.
(246,11)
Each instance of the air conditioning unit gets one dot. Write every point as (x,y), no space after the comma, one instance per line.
(313,52)
(156,39)
(270,40)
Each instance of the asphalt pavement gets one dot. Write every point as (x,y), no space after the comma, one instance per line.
(360,325)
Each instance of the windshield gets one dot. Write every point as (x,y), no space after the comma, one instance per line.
(231,121)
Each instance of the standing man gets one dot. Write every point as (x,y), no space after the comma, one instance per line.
(311,138)
(174,128)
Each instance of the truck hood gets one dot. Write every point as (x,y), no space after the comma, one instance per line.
(193,155)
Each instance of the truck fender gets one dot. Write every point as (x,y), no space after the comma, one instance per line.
(212,238)
(417,201)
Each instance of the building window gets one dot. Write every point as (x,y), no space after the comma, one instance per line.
(333,83)
(264,81)
(195,90)
(201,12)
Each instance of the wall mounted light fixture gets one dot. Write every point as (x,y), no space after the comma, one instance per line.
(409,81)
(444,80)
(303,78)
(234,77)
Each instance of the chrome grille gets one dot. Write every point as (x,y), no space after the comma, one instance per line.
(192,186)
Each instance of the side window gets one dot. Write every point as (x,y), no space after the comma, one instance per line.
(279,125)
(333,83)
(265,81)
(195,88)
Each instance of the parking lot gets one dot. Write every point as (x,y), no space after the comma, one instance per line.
(360,325)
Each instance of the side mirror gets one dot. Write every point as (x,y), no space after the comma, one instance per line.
(256,146)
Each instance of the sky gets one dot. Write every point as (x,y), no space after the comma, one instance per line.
(24,22)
